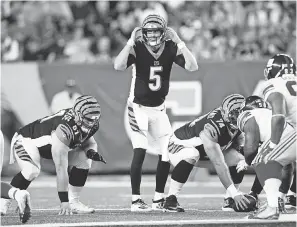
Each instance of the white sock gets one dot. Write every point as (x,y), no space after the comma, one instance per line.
(135,197)
(291,193)
(227,195)
(175,187)
(158,196)
(12,192)
(74,193)
(271,188)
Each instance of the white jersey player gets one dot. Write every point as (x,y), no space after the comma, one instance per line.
(279,149)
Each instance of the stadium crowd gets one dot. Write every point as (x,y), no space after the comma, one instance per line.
(95,31)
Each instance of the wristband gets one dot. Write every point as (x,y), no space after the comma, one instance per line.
(130,43)
(63,197)
(181,45)
(232,191)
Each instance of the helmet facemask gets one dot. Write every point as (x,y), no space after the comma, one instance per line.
(154,30)
(231,109)
(87,112)
(86,125)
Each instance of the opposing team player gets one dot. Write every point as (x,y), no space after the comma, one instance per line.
(214,134)
(66,137)
(278,150)
(8,192)
(152,55)
(255,112)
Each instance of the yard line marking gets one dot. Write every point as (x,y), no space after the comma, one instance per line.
(127,209)
(188,196)
(163,222)
(127,184)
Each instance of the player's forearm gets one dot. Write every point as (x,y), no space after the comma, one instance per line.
(251,146)
(190,60)
(120,62)
(223,173)
(62,179)
(277,128)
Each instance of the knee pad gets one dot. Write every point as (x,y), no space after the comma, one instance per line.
(85,164)
(30,172)
(191,155)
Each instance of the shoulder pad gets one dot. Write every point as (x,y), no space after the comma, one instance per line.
(267,90)
(65,134)
(242,119)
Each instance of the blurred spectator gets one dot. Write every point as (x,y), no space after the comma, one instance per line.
(80,30)
(66,98)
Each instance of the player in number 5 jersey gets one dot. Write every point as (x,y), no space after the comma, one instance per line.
(280,92)
(152,50)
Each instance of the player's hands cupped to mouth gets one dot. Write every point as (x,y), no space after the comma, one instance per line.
(65,209)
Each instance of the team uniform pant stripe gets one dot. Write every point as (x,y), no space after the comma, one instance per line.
(281,146)
(259,155)
(280,150)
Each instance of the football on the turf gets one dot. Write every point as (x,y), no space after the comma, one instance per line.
(251,206)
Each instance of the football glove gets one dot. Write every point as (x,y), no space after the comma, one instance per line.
(95,156)
(241,166)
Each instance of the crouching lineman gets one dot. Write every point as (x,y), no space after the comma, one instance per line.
(277,131)
(212,134)
(8,192)
(67,138)
(255,108)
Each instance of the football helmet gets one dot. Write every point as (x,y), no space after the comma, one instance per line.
(230,109)
(279,65)
(253,102)
(154,30)
(87,112)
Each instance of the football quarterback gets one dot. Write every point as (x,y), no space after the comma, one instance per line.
(151,50)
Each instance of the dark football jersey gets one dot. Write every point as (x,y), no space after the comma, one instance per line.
(151,75)
(215,125)
(65,127)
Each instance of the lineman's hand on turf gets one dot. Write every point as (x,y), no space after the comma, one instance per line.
(95,156)
(65,209)
(171,34)
(241,201)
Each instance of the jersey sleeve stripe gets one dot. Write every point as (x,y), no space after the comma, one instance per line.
(216,127)
(242,119)
(270,87)
(67,132)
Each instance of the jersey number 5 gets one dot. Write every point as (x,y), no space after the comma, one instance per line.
(155,79)
(291,85)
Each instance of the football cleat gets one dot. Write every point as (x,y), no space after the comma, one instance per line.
(228,204)
(269,213)
(139,206)
(5,204)
(158,204)
(24,205)
(171,205)
(290,201)
(78,207)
